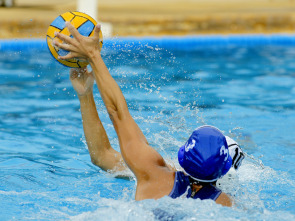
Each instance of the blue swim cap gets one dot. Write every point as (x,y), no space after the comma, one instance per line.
(205,156)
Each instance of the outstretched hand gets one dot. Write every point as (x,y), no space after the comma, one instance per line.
(82,81)
(79,46)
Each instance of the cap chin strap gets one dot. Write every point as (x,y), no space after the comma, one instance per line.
(204,181)
(224,171)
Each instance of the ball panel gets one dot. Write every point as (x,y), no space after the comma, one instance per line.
(68,16)
(70,63)
(78,21)
(82,64)
(86,29)
(51,30)
(50,45)
(59,23)
(85,16)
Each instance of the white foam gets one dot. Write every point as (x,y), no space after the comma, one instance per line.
(174,209)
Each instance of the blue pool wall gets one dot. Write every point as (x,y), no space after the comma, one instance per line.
(168,42)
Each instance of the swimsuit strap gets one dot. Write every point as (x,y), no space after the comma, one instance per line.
(183,184)
(208,191)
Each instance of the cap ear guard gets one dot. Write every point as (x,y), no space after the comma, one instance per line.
(235,152)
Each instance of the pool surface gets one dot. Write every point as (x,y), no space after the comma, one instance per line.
(245,89)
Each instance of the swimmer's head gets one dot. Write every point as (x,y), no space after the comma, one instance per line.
(205,156)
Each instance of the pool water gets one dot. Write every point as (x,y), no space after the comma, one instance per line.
(248,92)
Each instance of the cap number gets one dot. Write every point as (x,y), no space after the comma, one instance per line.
(224,151)
(190,146)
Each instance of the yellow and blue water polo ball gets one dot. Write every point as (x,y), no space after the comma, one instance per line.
(83,23)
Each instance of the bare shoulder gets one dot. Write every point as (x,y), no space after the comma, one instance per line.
(158,185)
(224,200)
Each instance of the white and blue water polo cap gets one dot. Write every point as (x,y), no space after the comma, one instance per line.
(205,156)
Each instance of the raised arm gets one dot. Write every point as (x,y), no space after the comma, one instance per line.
(136,152)
(142,159)
(100,150)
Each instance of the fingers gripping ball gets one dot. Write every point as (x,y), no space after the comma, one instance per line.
(85,26)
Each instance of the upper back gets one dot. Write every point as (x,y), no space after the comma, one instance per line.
(184,185)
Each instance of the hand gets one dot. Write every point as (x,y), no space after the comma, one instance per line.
(79,46)
(235,152)
(82,81)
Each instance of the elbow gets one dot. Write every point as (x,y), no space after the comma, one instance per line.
(116,113)
(113,112)
(95,161)
(112,109)
(98,163)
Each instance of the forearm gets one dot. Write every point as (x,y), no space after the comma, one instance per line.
(90,120)
(114,101)
(95,134)
(109,89)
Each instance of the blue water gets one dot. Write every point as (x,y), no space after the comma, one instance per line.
(248,92)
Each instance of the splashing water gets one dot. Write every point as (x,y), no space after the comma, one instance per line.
(248,92)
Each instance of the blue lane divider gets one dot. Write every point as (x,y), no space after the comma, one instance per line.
(169,42)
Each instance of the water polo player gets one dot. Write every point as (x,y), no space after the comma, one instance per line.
(205,157)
